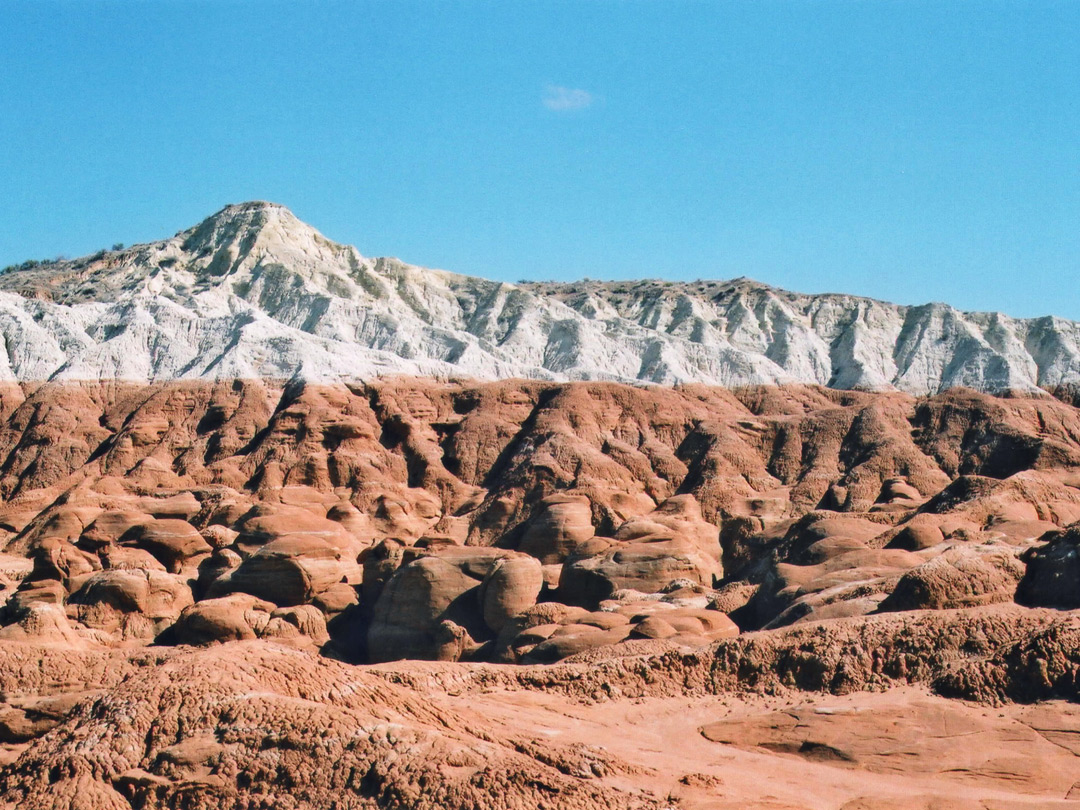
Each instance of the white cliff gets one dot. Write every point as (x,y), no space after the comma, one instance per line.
(254,292)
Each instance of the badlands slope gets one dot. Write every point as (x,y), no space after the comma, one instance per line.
(284,527)
(252,292)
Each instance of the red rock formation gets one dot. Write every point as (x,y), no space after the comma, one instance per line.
(874,540)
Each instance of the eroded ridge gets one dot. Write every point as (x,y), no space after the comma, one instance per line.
(198,575)
(253,292)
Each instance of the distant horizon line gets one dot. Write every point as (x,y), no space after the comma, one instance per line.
(120,247)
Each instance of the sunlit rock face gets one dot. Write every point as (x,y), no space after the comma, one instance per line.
(284,526)
(253,292)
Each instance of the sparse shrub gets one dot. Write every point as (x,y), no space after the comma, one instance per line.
(29,264)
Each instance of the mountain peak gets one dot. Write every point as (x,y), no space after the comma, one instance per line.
(244,211)
(250,205)
(245,235)
(237,222)
(252,291)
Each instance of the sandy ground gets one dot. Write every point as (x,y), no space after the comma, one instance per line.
(903,748)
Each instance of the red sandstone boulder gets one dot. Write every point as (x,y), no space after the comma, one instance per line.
(556,529)
(171,541)
(509,588)
(290,570)
(154,594)
(412,604)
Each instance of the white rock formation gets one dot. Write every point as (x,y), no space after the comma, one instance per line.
(254,292)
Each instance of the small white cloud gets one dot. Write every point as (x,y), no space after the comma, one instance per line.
(563,99)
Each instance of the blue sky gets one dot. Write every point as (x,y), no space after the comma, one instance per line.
(905,150)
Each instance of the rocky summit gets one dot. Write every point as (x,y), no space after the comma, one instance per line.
(253,292)
(285,527)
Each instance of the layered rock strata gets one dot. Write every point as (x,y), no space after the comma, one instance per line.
(253,292)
